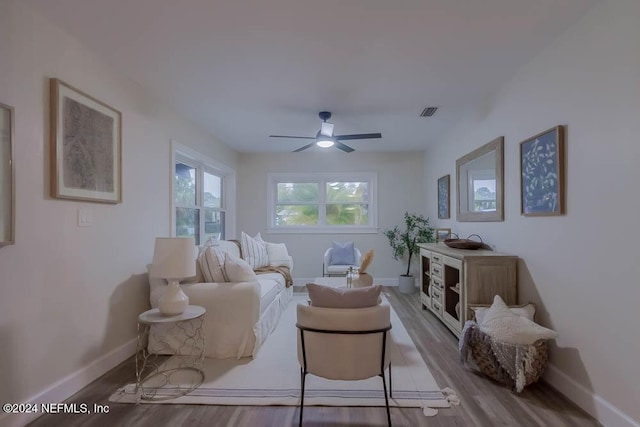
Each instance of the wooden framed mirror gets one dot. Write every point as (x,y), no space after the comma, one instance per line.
(6,176)
(480,183)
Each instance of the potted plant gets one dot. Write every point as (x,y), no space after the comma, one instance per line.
(405,242)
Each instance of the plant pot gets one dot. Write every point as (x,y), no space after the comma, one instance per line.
(406,284)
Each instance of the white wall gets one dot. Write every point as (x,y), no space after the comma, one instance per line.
(581,269)
(400,189)
(71,295)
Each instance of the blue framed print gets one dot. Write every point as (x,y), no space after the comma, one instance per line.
(443,197)
(542,173)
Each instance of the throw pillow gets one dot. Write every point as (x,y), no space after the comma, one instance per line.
(206,245)
(328,297)
(212,262)
(528,311)
(342,253)
(502,324)
(238,270)
(278,254)
(254,251)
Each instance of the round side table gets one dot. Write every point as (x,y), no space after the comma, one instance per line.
(182,338)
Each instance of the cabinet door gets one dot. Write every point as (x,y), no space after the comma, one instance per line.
(425,278)
(487,277)
(453,306)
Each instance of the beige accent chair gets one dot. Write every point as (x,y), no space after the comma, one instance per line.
(344,344)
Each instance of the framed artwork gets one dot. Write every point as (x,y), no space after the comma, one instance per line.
(442,234)
(542,173)
(86,147)
(443,197)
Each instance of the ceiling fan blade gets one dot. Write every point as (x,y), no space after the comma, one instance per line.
(359,136)
(340,146)
(287,136)
(304,148)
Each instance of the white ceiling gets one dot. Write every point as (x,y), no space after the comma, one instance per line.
(246,69)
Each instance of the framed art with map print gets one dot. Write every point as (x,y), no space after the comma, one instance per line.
(542,173)
(443,197)
(86,147)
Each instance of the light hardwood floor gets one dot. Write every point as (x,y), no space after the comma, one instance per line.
(484,403)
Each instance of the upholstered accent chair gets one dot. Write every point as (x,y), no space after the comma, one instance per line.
(333,265)
(344,344)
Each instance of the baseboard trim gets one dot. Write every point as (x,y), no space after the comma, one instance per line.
(600,409)
(72,383)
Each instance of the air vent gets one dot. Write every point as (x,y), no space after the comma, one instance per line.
(428,112)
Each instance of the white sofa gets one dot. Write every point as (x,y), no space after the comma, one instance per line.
(240,315)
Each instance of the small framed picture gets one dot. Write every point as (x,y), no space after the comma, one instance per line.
(85,147)
(542,173)
(442,234)
(443,197)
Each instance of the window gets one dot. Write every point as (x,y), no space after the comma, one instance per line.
(322,202)
(199,198)
(483,197)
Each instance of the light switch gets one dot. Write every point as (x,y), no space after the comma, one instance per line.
(85,217)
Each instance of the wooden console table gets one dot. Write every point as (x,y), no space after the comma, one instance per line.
(452,279)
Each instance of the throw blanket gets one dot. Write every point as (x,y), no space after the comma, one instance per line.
(515,365)
(286,273)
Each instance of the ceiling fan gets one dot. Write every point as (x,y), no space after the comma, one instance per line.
(325,137)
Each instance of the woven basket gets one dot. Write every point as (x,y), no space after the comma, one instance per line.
(482,355)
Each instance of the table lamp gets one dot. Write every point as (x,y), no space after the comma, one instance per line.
(173,260)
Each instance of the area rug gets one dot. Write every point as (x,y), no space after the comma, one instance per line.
(273,377)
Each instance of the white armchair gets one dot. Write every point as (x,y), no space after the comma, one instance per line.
(344,344)
(329,269)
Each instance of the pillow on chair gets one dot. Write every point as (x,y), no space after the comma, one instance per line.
(328,297)
(342,253)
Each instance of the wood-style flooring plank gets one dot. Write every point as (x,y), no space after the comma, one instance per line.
(483,402)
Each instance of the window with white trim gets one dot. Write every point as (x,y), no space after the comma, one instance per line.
(344,202)
(483,196)
(198,199)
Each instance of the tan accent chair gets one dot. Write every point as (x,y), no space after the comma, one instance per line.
(344,344)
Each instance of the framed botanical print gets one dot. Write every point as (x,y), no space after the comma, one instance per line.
(86,147)
(542,173)
(443,197)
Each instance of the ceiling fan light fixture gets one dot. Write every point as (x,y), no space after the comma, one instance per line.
(326,139)
(325,142)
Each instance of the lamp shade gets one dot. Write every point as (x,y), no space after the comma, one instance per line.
(174,258)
